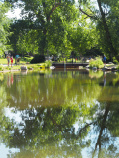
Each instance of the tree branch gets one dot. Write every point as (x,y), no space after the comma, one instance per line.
(103,125)
(56,5)
(84,128)
(90,16)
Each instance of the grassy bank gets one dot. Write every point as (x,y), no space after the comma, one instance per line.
(23,60)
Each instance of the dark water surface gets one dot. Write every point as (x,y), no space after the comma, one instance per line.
(59,114)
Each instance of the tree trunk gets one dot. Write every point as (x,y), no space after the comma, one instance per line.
(42,45)
(112,51)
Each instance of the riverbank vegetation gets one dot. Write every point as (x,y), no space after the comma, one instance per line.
(98,63)
(23,63)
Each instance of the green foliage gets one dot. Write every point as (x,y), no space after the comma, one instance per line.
(26,59)
(54,108)
(47,63)
(38,59)
(23,39)
(44,26)
(97,74)
(1,68)
(4,27)
(115,60)
(1,76)
(96,63)
(56,27)
(118,67)
(107,32)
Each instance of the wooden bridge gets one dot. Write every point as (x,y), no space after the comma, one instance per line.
(69,65)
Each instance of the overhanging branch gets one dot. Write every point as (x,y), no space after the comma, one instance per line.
(90,16)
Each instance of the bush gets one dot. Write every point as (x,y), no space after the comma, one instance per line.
(47,64)
(115,60)
(38,59)
(96,63)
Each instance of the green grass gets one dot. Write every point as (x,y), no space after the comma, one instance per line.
(23,60)
(18,67)
(3,61)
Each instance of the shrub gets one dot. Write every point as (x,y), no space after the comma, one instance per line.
(47,63)
(115,60)
(96,63)
(38,59)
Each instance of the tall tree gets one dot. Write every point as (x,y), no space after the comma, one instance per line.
(23,37)
(49,17)
(102,13)
(4,27)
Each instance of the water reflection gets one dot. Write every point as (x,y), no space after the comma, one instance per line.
(10,80)
(104,78)
(60,114)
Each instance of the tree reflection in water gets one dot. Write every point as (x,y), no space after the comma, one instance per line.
(47,129)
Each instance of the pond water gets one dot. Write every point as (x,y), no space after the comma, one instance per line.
(59,114)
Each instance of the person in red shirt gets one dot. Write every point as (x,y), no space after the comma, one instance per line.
(11,60)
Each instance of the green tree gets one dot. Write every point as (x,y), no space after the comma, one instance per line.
(104,15)
(4,27)
(49,19)
(23,38)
